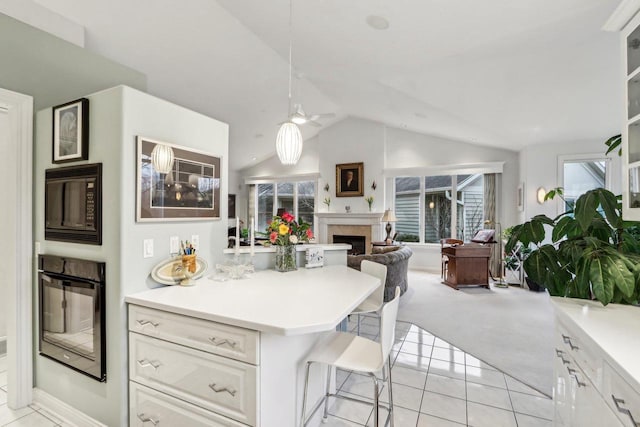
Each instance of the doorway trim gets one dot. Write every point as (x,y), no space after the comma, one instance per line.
(19,296)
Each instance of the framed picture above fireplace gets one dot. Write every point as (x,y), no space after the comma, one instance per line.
(349,180)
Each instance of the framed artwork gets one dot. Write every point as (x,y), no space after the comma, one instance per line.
(190,191)
(71,131)
(349,179)
(232,206)
(520,197)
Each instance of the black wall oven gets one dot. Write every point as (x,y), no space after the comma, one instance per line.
(72,313)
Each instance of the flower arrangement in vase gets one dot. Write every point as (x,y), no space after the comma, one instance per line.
(284,233)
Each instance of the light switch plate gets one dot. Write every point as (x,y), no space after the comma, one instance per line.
(195,241)
(174,245)
(148,248)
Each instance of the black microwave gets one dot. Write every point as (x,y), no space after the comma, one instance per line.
(73,204)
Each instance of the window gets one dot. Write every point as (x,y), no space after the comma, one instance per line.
(427,209)
(297,198)
(580,176)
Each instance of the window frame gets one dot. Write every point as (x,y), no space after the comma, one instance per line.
(578,158)
(291,180)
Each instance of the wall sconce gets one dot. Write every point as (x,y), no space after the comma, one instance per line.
(326,187)
(374,185)
(540,194)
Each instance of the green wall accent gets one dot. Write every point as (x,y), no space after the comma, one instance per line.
(55,71)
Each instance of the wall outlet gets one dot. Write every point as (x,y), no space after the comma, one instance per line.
(195,241)
(174,245)
(147,251)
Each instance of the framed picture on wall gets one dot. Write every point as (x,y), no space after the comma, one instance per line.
(189,190)
(349,179)
(520,197)
(71,131)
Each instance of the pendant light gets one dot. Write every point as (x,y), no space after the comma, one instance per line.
(289,140)
(162,158)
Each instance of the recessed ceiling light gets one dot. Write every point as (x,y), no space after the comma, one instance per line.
(377,22)
(254,159)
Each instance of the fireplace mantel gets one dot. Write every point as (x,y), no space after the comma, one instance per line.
(371,220)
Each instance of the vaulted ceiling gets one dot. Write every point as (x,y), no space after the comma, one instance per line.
(495,72)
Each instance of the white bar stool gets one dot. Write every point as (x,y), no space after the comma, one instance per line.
(375,301)
(354,353)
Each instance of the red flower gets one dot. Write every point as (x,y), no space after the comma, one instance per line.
(273,236)
(309,233)
(287,217)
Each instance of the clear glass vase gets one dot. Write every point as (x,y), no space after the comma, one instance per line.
(286,258)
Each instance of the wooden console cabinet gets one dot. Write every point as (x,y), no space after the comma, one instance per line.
(468,265)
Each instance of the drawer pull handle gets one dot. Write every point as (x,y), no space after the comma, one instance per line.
(623,410)
(143,323)
(231,391)
(144,419)
(146,363)
(572,372)
(560,354)
(217,342)
(567,340)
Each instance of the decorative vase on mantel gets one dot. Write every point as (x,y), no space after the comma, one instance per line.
(286,258)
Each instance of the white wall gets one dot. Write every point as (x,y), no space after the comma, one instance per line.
(380,147)
(539,168)
(6,222)
(116,116)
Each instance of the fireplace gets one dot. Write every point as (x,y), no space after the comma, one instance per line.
(357,243)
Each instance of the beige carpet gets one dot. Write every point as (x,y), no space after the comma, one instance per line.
(509,328)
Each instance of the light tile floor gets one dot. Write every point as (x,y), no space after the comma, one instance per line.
(434,384)
(31,416)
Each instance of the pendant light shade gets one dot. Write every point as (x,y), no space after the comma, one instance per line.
(289,144)
(162,158)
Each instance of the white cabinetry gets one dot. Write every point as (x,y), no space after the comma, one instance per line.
(592,385)
(191,372)
(626,20)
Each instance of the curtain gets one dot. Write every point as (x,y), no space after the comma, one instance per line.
(491,221)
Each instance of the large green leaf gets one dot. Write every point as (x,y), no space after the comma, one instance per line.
(534,231)
(563,228)
(582,278)
(536,267)
(609,204)
(571,250)
(613,143)
(620,275)
(586,209)
(601,287)
(514,239)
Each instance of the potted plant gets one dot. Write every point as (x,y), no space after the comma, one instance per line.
(592,252)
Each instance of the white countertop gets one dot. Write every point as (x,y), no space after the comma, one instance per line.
(615,328)
(292,303)
(299,248)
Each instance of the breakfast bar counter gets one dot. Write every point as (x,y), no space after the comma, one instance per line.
(219,353)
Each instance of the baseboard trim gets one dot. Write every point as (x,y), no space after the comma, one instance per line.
(67,413)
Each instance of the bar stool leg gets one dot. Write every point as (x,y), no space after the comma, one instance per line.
(326,396)
(304,398)
(376,398)
(390,392)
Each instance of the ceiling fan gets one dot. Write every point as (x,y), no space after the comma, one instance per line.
(299,117)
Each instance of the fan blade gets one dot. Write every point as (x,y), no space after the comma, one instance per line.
(321,116)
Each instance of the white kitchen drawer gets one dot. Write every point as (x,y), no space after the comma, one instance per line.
(626,405)
(148,407)
(576,345)
(230,341)
(217,383)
